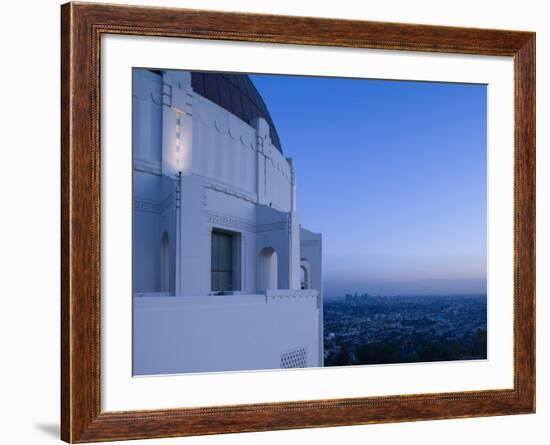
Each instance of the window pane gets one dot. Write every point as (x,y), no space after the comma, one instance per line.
(214,281)
(225,280)
(225,252)
(222,261)
(214,251)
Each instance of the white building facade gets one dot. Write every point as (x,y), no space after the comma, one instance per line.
(224,276)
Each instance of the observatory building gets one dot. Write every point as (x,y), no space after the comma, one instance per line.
(224,276)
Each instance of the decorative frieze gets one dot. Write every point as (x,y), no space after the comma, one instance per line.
(146,206)
(153,206)
(166,203)
(228,221)
(217,219)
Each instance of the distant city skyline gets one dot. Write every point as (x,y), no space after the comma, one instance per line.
(393,174)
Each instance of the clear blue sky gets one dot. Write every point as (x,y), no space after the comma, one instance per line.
(393,174)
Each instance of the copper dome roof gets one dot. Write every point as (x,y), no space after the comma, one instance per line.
(237,94)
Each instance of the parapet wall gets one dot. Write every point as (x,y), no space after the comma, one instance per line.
(225,332)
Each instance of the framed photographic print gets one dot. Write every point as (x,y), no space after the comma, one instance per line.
(276,222)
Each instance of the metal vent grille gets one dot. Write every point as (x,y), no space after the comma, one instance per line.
(294,359)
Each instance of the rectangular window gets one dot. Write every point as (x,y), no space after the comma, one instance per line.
(222,261)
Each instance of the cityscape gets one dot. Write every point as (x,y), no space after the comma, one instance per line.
(258,241)
(363,329)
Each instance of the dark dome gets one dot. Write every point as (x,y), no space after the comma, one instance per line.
(237,94)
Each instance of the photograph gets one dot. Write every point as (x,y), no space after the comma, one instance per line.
(285,221)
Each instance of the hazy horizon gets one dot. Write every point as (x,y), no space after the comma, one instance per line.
(438,290)
(393,174)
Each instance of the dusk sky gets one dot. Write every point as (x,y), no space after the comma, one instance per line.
(393,174)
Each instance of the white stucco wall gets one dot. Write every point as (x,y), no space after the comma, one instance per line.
(223,333)
(199,168)
(154,214)
(154,194)
(147,117)
(311,253)
(209,206)
(223,147)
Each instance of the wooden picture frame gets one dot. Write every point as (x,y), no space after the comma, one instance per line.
(82,25)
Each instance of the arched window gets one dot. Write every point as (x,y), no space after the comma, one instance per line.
(268,274)
(165,263)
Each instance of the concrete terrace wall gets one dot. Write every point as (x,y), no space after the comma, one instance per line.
(224,333)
